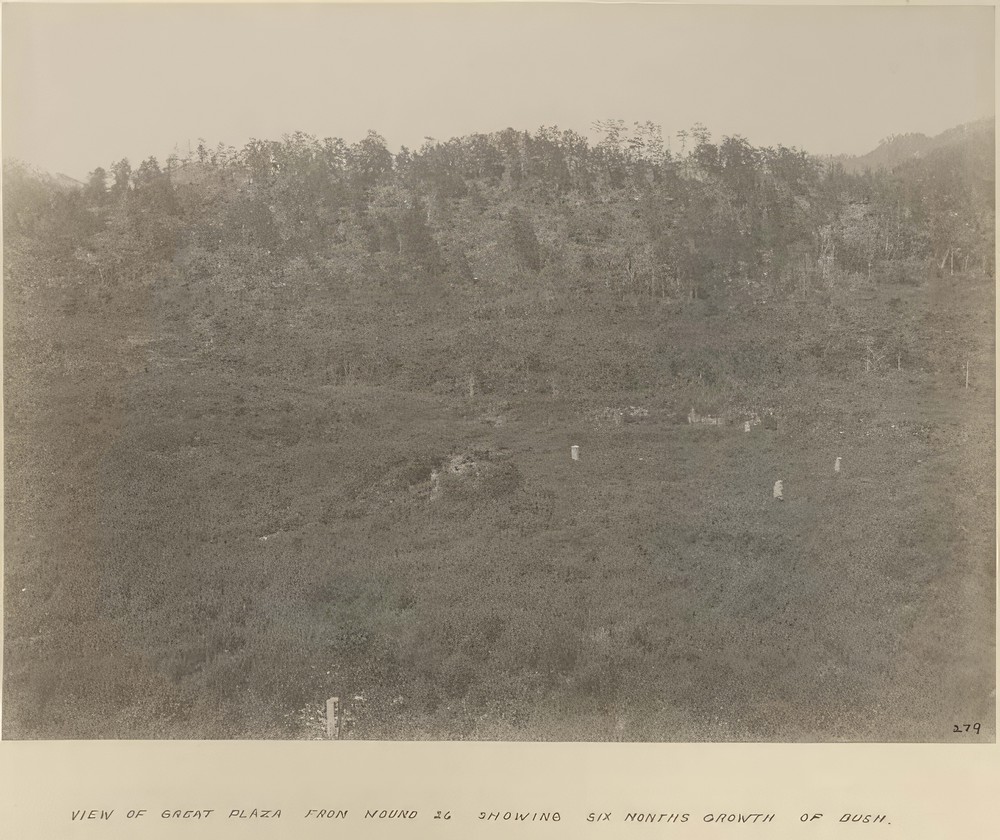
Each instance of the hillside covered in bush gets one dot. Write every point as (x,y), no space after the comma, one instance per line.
(294,420)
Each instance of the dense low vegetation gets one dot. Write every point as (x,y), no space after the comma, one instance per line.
(294,421)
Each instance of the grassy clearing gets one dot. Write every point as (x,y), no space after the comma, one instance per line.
(214,525)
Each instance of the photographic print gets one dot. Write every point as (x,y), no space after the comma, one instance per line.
(516,372)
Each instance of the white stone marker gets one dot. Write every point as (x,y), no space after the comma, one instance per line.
(574,452)
(778,491)
(746,426)
(836,465)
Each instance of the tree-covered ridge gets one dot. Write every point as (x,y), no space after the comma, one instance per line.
(708,219)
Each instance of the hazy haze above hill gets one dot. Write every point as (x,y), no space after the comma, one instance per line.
(90,84)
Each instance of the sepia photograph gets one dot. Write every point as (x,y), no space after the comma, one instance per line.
(499,373)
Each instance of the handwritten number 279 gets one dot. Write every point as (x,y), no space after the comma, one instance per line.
(967,727)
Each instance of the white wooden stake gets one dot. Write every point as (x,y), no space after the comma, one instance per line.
(333,718)
(574,452)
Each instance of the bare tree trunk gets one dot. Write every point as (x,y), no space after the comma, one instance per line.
(630,273)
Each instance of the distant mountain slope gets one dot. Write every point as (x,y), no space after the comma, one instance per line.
(63,181)
(58,180)
(903,147)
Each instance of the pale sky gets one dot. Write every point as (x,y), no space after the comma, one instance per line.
(84,85)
